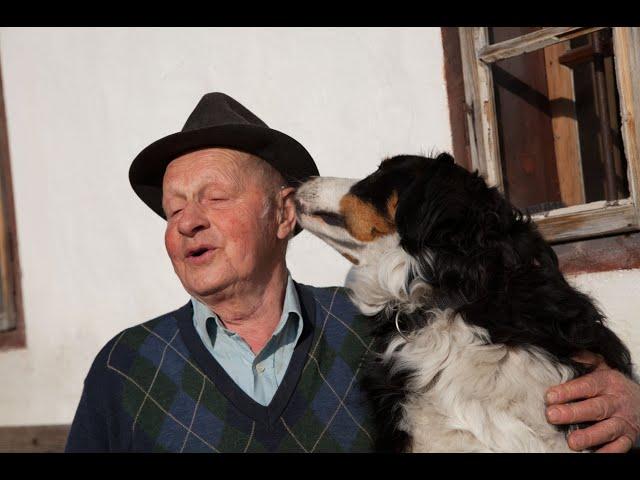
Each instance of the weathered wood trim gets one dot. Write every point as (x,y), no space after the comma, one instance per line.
(583,221)
(583,208)
(34,439)
(626,47)
(490,131)
(481,118)
(471,95)
(7,319)
(455,94)
(532,41)
(566,139)
(10,264)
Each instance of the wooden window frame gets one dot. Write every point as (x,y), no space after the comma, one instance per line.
(569,223)
(9,265)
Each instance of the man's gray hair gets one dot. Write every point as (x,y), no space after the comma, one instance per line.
(273,182)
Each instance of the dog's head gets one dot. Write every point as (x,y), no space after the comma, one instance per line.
(445,221)
(358,218)
(417,202)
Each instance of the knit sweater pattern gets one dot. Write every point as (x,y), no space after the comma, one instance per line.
(155,388)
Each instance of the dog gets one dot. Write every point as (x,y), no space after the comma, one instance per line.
(472,319)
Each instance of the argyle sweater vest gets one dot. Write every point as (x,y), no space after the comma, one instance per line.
(155,387)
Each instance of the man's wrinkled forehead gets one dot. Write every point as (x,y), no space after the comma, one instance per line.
(217,165)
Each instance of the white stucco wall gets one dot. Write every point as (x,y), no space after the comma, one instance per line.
(81,103)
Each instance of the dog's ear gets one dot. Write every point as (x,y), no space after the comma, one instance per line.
(445,157)
(446,207)
(450,216)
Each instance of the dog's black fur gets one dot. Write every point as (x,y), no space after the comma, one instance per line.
(489,263)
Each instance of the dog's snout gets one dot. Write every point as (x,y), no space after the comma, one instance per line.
(320,197)
(300,208)
(307,189)
(306,194)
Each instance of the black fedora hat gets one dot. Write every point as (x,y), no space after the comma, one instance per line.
(219,121)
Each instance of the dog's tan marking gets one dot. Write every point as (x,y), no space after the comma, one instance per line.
(364,222)
(392,205)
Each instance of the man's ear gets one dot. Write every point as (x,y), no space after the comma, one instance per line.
(286,213)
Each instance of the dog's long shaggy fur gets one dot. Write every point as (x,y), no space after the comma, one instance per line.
(472,318)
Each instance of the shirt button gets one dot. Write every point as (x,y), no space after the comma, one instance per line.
(260,368)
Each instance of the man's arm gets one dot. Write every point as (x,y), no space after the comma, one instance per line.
(604,396)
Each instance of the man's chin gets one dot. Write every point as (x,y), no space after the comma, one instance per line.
(206,284)
(204,291)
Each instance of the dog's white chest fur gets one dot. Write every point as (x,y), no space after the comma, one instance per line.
(467,395)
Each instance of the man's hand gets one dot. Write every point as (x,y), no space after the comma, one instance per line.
(608,398)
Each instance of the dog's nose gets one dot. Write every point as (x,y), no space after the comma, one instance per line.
(306,192)
(297,183)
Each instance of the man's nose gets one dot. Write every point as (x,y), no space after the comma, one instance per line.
(192,220)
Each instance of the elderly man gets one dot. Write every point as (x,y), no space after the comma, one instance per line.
(255,361)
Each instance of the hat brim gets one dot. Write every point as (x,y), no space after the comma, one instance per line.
(284,153)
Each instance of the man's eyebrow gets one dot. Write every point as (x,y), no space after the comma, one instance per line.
(170,192)
(209,183)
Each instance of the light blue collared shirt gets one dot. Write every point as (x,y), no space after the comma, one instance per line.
(258,375)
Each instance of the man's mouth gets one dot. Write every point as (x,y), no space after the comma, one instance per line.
(199,254)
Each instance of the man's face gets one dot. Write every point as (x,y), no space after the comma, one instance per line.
(219,235)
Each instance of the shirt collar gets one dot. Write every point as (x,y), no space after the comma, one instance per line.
(291,304)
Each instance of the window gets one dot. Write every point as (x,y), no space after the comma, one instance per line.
(551,120)
(11,322)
